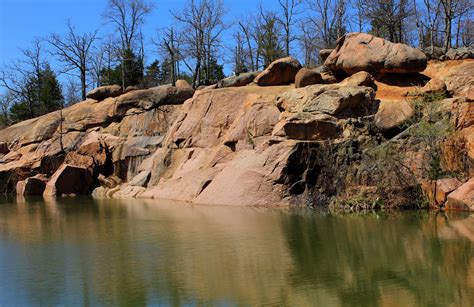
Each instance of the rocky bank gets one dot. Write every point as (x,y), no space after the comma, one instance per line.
(377,125)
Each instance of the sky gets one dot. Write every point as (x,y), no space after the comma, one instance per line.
(23,20)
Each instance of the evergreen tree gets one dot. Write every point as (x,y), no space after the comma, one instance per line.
(49,99)
(215,72)
(132,71)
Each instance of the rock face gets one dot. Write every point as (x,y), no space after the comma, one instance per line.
(434,86)
(103,92)
(356,52)
(250,145)
(240,80)
(282,71)
(306,77)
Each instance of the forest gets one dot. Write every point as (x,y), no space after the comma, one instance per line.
(205,40)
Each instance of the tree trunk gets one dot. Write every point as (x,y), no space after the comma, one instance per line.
(447,38)
(83,84)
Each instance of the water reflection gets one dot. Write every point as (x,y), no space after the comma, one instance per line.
(134,252)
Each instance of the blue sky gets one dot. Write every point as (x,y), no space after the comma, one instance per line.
(23,20)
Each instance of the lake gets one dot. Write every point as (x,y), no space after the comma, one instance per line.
(80,251)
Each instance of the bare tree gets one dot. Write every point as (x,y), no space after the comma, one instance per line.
(419,25)
(127,16)
(203,25)
(18,76)
(329,19)
(239,54)
(246,26)
(453,9)
(358,7)
(289,12)
(74,51)
(309,46)
(430,20)
(6,101)
(268,36)
(72,92)
(168,43)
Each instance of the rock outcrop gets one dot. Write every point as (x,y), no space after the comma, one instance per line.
(264,142)
(356,52)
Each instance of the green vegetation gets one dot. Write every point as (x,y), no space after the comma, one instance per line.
(40,95)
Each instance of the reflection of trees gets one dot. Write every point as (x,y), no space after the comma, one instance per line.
(132,252)
(361,258)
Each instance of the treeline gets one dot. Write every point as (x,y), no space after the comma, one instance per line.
(202,38)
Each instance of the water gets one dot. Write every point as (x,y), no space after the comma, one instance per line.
(132,252)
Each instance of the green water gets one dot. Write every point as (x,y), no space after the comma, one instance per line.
(132,252)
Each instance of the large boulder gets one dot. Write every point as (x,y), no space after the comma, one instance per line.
(151,98)
(335,100)
(239,80)
(282,71)
(102,92)
(306,77)
(356,52)
(31,186)
(462,198)
(393,114)
(70,180)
